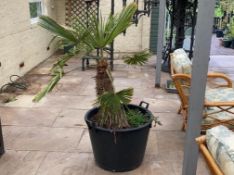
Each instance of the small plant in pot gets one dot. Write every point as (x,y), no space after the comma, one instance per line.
(227,41)
(231,29)
(118,130)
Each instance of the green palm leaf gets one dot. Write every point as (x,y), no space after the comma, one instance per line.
(139,58)
(58,30)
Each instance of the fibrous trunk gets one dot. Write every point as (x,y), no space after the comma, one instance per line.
(103,81)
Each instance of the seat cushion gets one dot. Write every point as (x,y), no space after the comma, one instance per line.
(180,62)
(219,95)
(220,143)
(179,51)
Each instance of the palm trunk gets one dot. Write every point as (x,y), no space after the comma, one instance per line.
(103,81)
(104,84)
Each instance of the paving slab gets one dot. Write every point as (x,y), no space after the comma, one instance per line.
(70,118)
(163,105)
(28,116)
(41,138)
(21,162)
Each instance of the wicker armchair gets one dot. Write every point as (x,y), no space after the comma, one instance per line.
(218,105)
(219,100)
(214,168)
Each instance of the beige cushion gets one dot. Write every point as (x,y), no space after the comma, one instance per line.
(219,95)
(220,142)
(180,62)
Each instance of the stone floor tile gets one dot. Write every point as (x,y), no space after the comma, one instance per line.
(83,164)
(41,138)
(121,82)
(85,143)
(65,164)
(70,118)
(23,101)
(202,168)
(21,162)
(152,144)
(170,121)
(163,105)
(28,116)
(68,86)
(170,141)
(61,101)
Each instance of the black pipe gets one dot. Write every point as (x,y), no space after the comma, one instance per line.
(2,150)
(194,20)
(112,44)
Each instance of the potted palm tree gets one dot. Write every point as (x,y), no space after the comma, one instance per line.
(118,130)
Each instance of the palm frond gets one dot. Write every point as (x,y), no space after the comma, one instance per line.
(57,73)
(112,105)
(58,30)
(125,96)
(100,32)
(139,58)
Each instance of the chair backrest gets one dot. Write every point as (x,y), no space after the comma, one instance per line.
(183,83)
(180,62)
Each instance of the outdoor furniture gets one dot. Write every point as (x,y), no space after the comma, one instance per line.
(218,105)
(181,64)
(217,147)
(1,141)
(219,99)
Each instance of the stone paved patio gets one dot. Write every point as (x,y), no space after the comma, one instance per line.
(50,137)
(221,59)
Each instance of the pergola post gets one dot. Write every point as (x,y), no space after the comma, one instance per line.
(199,71)
(162,6)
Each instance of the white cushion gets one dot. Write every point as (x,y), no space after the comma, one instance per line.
(220,142)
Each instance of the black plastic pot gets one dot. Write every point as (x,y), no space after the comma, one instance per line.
(122,150)
(1,141)
(67,48)
(227,43)
(219,33)
(232,44)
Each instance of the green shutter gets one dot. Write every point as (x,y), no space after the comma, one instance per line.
(154,29)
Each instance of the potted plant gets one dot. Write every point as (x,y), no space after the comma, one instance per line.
(231,29)
(118,130)
(227,41)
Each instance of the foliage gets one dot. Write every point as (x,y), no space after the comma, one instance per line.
(219,12)
(139,58)
(136,118)
(112,108)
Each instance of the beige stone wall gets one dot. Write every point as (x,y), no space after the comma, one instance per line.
(23,42)
(136,38)
(20,40)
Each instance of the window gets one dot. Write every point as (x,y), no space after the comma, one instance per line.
(36,10)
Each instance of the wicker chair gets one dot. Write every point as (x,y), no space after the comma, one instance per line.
(218,105)
(216,110)
(214,168)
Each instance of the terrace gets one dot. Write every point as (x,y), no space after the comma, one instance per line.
(51,137)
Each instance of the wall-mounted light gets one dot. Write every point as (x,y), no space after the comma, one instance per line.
(147,6)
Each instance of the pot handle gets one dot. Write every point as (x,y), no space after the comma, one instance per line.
(143,103)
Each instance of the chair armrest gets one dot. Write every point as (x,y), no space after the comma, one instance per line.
(221,76)
(208,157)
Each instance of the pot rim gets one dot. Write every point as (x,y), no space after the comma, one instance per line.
(93,124)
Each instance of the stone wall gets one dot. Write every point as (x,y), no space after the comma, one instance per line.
(21,41)
(136,38)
